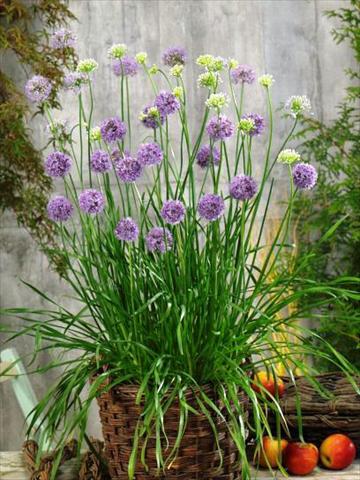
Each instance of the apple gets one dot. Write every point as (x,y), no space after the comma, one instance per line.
(337,451)
(301,458)
(271,453)
(269,382)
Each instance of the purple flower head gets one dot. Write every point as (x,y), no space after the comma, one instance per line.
(60,209)
(304,176)
(149,154)
(259,123)
(243,187)
(126,66)
(62,38)
(211,207)
(100,161)
(220,128)
(243,74)
(151,117)
(38,89)
(127,230)
(91,201)
(57,164)
(206,156)
(116,156)
(128,169)
(174,56)
(74,81)
(167,103)
(173,211)
(159,239)
(112,129)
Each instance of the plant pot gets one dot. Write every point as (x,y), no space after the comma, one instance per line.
(198,456)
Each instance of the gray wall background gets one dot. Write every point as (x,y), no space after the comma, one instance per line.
(288,38)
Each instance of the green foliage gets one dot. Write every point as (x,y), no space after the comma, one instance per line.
(24,186)
(335,148)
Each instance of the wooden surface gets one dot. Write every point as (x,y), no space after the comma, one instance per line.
(12,468)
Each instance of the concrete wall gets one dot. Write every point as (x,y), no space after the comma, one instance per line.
(288,38)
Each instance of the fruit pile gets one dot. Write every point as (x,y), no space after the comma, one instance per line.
(336,452)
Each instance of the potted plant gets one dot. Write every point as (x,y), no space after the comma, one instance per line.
(176,312)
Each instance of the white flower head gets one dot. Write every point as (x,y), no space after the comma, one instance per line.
(246,125)
(88,65)
(266,80)
(178,92)
(208,80)
(117,51)
(288,156)
(232,63)
(95,134)
(176,70)
(141,58)
(298,105)
(211,63)
(217,101)
(153,70)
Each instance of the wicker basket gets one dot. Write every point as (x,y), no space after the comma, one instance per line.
(198,456)
(322,417)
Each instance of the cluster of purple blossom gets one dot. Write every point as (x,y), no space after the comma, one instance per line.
(126,66)
(154,115)
(211,206)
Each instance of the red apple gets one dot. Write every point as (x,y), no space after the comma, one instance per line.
(270,383)
(272,450)
(337,452)
(301,458)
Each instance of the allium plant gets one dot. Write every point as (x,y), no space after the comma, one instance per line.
(168,274)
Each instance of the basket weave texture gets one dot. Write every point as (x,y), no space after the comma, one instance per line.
(320,416)
(198,456)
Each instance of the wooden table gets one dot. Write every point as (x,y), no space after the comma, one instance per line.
(12,468)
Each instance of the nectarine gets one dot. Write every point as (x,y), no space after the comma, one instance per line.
(272,450)
(337,452)
(301,458)
(268,381)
